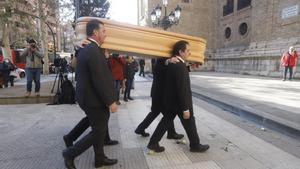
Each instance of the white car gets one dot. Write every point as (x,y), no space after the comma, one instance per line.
(18,73)
(21,72)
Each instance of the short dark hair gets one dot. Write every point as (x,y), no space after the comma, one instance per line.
(92,25)
(180,45)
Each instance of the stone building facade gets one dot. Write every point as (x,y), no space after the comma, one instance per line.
(243,36)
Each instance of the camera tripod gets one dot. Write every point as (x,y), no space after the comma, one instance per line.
(59,79)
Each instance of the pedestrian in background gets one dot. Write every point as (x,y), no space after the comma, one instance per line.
(116,64)
(142,66)
(129,72)
(9,72)
(136,69)
(1,72)
(289,61)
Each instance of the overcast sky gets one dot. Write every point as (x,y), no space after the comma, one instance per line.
(124,11)
(120,10)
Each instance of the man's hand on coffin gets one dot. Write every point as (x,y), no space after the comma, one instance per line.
(113,107)
(82,43)
(85,42)
(186,115)
(173,60)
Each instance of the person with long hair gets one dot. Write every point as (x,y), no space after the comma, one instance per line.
(178,101)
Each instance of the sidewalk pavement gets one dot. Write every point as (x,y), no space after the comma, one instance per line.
(271,99)
(31,138)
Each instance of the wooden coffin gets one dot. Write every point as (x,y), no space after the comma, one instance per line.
(141,41)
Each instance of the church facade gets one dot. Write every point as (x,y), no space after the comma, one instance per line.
(243,36)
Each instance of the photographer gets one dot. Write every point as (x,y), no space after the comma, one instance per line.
(34,67)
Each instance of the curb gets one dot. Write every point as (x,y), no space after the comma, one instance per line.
(259,119)
(25,100)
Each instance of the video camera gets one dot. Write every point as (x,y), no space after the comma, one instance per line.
(33,46)
(32,43)
(60,63)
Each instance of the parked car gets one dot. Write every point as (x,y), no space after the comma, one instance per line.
(21,72)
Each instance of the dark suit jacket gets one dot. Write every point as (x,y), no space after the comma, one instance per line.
(158,83)
(177,91)
(94,86)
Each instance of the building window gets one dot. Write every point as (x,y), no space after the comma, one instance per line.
(17,24)
(243,4)
(228,8)
(243,29)
(186,1)
(227,33)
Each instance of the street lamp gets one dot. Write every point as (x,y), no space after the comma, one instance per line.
(168,20)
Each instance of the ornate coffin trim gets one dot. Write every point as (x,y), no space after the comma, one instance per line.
(142,41)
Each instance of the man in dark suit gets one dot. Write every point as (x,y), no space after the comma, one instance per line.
(79,129)
(95,95)
(157,100)
(178,101)
(84,124)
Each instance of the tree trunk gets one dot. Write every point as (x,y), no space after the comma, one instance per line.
(5,36)
(43,37)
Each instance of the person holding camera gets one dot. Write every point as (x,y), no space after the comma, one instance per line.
(33,68)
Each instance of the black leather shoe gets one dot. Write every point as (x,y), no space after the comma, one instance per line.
(175,136)
(125,99)
(105,161)
(200,149)
(111,142)
(130,98)
(156,148)
(142,133)
(68,142)
(69,162)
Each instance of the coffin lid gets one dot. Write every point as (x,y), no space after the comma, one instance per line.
(135,40)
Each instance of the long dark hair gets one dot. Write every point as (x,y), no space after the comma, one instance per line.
(180,45)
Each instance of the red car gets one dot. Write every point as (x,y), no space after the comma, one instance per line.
(17,59)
